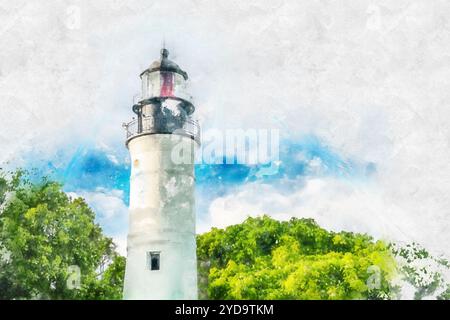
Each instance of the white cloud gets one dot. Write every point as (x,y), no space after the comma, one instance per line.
(120,241)
(336,204)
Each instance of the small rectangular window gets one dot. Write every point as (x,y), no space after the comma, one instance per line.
(153,260)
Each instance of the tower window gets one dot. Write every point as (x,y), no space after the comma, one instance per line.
(154,260)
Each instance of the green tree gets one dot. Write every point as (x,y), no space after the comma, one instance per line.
(110,285)
(425,272)
(42,233)
(267,259)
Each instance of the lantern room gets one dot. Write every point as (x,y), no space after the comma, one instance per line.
(166,106)
(163,80)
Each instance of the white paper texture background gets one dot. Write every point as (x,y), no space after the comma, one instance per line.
(370,79)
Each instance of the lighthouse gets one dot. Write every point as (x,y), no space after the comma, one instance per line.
(162,139)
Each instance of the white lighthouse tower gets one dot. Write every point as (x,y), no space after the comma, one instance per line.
(161,247)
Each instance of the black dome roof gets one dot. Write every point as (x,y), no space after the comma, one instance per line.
(164,64)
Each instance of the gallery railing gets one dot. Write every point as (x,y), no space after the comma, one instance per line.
(163,125)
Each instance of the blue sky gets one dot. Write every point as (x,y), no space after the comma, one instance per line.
(89,171)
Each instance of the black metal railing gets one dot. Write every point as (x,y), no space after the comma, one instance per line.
(154,125)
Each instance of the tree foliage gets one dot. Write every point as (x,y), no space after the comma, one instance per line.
(42,233)
(267,259)
(426,274)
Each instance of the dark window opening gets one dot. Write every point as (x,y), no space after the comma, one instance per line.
(154,258)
